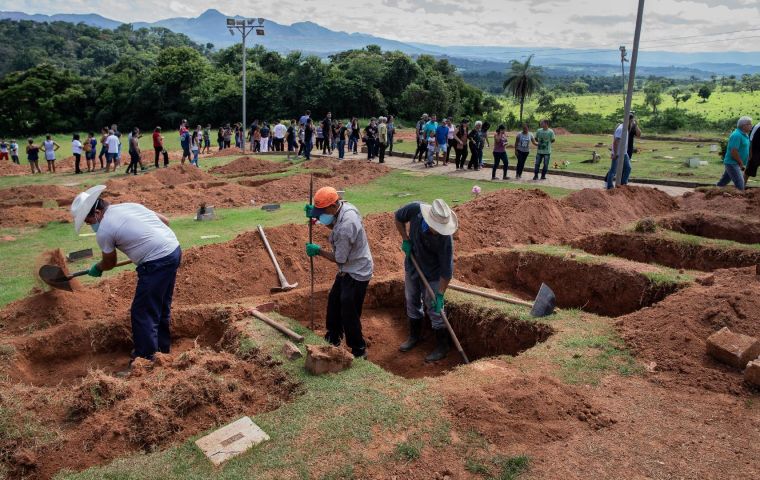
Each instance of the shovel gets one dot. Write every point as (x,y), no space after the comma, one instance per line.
(543,306)
(284,285)
(54,275)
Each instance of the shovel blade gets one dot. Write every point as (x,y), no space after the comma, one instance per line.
(545,302)
(54,276)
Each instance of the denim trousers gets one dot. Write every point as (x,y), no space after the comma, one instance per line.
(500,157)
(545,157)
(613,172)
(733,174)
(341,148)
(418,299)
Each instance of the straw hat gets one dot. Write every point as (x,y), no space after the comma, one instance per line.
(440,217)
(83,203)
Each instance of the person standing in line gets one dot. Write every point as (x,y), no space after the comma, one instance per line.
(350,251)
(304,118)
(207,139)
(633,132)
(370,133)
(90,146)
(227,136)
(543,140)
(33,155)
(280,132)
(421,139)
(145,238)
(194,148)
(103,146)
(308,138)
(134,151)
(326,134)
(461,146)
(450,140)
(14,152)
(264,141)
(158,147)
(353,139)
(292,137)
(737,154)
(754,153)
(429,237)
(50,147)
(500,142)
(320,136)
(334,135)
(220,138)
(522,149)
(4,150)
(391,132)
(112,148)
(476,146)
(342,138)
(484,140)
(431,148)
(382,139)
(185,142)
(442,142)
(76,150)
(117,158)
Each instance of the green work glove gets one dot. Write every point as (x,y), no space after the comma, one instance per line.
(308,208)
(437,304)
(95,271)
(406,247)
(312,249)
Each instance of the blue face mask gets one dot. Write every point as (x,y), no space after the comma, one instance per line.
(424,226)
(326,219)
(95,226)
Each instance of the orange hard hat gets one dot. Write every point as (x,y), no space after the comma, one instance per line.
(325,197)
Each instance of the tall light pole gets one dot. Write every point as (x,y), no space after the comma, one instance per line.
(623,59)
(245,26)
(623,147)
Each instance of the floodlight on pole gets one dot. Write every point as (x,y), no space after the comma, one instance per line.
(245,27)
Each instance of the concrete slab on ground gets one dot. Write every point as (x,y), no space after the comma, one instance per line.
(231,440)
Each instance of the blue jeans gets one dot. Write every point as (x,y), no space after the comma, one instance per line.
(613,172)
(307,150)
(352,144)
(733,174)
(341,148)
(545,157)
(194,161)
(500,157)
(390,143)
(152,304)
(418,299)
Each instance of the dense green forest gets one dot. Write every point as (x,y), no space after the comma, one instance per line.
(64,77)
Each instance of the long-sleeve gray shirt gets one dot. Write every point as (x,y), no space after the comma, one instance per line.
(350,245)
(434,253)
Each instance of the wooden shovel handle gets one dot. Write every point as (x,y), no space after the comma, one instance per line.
(84,272)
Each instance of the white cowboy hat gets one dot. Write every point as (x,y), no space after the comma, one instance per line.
(440,217)
(83,203)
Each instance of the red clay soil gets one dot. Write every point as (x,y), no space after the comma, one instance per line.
(713,225)
(519,217)
(725,201)
(673,333)
(10,168)
(249,166)
(36,195)
(33,216)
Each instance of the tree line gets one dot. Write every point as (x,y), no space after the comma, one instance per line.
(88,77)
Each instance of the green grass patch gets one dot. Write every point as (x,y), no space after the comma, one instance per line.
(510,468)
(593,356)
(407,451)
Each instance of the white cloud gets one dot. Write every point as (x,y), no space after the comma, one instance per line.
(556,23)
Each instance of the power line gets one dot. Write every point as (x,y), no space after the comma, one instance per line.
(705,41)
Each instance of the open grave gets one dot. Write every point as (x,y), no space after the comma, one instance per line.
(483,332)
(713,225)
(606,288)
(671,252)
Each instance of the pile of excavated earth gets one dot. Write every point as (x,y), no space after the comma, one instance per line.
(687,414)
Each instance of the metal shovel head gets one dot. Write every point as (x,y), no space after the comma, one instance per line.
(545,302)
(54,276)
(79,254)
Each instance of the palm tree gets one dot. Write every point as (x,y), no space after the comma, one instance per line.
(523,79)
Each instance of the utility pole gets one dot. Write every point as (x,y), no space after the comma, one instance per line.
(245,26)
(623,59)
(623,146)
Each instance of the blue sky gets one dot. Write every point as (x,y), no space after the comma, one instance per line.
(567,23)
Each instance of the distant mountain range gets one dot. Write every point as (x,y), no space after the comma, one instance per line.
(309,37)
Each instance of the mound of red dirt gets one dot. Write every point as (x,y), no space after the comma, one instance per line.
(516,410)
(727,201)
(10,168)
(532,216)
(249,166)
(673,333)
(32,216)
(37,195)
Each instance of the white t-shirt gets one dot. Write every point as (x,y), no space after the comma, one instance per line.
(452,131)
(280,130)
(136,231)
(76,147)
(113,143)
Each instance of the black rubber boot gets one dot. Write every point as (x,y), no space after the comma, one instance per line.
(415,329)
(442,346)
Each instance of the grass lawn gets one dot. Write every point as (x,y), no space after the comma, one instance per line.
(657,159)
(18,258)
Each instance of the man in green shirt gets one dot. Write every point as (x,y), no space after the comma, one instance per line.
(737,154)
(543,140)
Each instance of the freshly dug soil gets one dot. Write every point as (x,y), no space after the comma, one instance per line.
(10,168)
(249,166)
(713,225)
(33,216)
(673,334)
(37,195)
(723,201)
(650,248)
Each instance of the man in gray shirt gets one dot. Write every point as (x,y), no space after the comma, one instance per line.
(350,250)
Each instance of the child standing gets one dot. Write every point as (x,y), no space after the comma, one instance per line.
(195,147)
(14,152)
(430,149)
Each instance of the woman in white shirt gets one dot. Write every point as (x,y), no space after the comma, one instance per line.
(49,146)
(76,150)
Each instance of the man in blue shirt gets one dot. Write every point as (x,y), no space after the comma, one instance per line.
(429,239)
(441,141)
(737,155)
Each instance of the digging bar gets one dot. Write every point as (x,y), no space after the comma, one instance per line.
(277,326)
(443,314)
(311,259)
(284,285)
(545,299)
(54,276)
